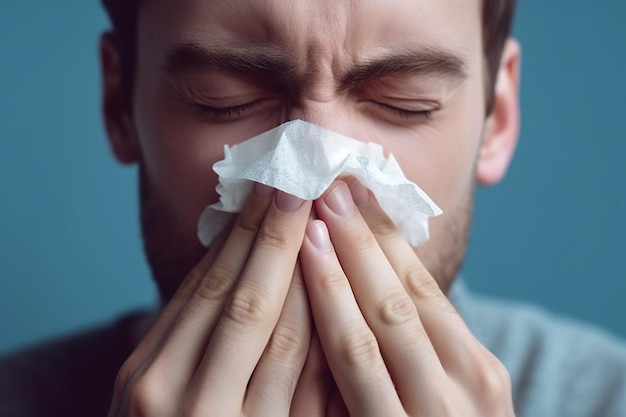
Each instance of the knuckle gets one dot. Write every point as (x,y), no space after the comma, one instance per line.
(282,390)
(362,241)
(248,224)
(146,397)
(277,236)
(443,406)
(504,378)
(397,309)
(279,386)
(360,348)
(217,284)
(382,226)
(191,406)
(192,280)
(126,374)
(419,283)
(286,342)
(494,384)
(333,281)
(490,383)
(247,307)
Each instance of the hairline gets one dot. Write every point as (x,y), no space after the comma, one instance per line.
(501,12)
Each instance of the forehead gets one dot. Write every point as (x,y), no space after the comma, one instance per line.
(324,30)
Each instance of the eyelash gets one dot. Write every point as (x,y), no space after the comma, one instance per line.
(227,112)
(406,114)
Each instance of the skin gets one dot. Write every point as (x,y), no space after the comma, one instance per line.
(372,333)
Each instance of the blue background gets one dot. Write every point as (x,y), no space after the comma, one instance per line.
(553,233)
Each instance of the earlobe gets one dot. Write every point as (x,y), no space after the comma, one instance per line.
(117,118)
(502,125)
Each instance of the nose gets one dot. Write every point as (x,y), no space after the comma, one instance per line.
(335,114)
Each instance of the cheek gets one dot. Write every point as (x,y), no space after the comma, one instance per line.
(442,163)
(178,151)
(441,159)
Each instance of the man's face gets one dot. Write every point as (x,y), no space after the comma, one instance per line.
(405,74)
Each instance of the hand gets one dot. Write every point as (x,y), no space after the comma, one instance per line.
(228,344)
(394,343)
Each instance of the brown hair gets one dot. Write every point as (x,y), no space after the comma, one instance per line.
(497,17)
(497,24)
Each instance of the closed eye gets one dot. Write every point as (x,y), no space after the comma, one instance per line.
(405,114)
(227,112)
(231,112)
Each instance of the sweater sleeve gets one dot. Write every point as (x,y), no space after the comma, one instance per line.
(558,367)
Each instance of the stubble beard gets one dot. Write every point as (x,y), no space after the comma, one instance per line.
(444,254)
(172,255)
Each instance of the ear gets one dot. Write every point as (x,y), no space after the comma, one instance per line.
(502,125)
(117,118)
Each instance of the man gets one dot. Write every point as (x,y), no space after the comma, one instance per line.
(330,313)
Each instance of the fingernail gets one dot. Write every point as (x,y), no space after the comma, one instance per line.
(340,201)
(288,202)
(318,235)
(360,193)
(262,190)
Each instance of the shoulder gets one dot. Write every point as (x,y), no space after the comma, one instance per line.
(557,366)
(69,376)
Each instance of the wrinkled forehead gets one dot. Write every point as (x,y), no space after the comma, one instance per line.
(334,29)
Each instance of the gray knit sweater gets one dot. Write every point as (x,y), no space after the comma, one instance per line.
(558,368)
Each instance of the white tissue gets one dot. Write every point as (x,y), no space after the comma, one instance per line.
(303,159)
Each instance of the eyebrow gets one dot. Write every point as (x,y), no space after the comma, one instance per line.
(190,57)
(428,61)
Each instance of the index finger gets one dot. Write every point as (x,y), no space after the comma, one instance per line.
(439,317)
(254,306)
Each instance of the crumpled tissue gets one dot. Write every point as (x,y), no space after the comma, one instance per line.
(303,159)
